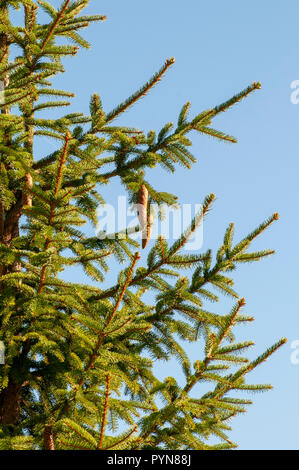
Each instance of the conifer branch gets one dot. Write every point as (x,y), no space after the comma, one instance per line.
(62,163)
(143,91)
(4,48)
(43,270)
(142,438)
(124,288)
(209,357)
(55,24)
(104,418)
(236,98)
(122,440)
(74,446)
(52,209)
(5,21)
(18,99)
(249,368)
(115,308)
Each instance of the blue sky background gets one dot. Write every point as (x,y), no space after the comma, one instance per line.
(220,48)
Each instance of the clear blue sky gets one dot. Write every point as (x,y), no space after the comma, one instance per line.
(220,48)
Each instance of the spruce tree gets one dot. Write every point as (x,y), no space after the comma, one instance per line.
(79,359)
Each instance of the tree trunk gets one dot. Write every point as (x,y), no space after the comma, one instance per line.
(48,438)
(10,399)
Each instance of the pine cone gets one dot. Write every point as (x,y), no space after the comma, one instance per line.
(149,224)
(142,202)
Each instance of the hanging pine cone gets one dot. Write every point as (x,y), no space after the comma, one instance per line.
(142,210)
(147,232)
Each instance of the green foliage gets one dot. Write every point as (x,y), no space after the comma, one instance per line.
(79,358)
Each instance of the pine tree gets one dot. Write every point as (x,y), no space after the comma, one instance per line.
(79,359)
